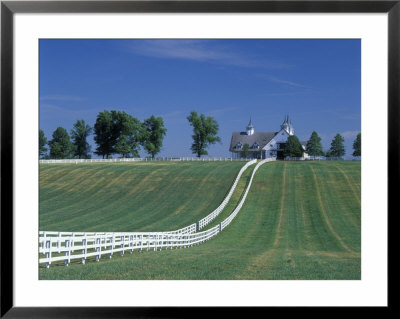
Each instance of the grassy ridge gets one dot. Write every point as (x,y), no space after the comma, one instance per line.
(301,220)
(131,196)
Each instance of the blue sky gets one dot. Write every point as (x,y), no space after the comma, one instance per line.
(317,82)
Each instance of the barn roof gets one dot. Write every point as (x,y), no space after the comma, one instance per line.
(261,138)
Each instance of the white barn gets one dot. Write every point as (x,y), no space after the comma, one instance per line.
(263,144)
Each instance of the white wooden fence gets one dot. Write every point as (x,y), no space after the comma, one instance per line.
(67,246)
(206,220)
(139,159)
(228,220)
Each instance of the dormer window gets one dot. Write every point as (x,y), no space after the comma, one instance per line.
(255,146)
(238,146)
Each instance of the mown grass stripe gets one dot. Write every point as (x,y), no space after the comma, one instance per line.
(294,230)
(357,193)
(282,209)
(174,220)
(344,213)
(313,228)
(324,213)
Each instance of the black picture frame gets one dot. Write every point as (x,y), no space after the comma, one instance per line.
(9,8)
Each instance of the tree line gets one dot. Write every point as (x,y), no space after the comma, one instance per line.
(313,147)
(293,147)
(116,132)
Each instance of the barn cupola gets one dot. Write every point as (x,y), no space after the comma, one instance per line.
(287,126)
(250,128)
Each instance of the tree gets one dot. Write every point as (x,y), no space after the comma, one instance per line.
(314,146)
(245,151)
(117,132)
(60,146)
(293,147)
(205,131)
(42,143)
(153,135)
(337,147)
(103,134)
(357,145)
(128,134)
(126,147)
(79,134)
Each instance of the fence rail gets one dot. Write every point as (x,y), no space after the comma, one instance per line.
(83,247)
(228,220)
(139,159)
(67,246)
(209,218)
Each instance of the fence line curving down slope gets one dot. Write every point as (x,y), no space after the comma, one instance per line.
(67,246)
(187,229)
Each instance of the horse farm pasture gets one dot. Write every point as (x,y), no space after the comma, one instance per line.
(300,220)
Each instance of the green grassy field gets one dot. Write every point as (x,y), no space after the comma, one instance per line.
(157,196)
(301,220)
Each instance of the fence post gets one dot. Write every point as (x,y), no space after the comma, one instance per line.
(98,249)
(131,243)
(59,242)
(84,250)
(72,242)
(44,240)
(67,253)
(48,253)
(111,247)
(123,244)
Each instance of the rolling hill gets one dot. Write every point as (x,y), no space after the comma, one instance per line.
(301,220)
